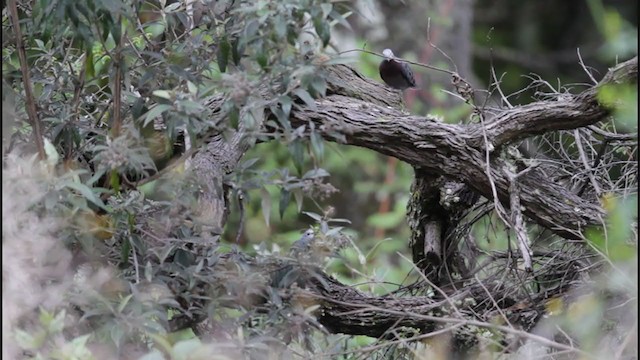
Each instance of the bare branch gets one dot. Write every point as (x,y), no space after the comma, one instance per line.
(568,112)
(366,113)
(517,221)
(585,162)
(444,149)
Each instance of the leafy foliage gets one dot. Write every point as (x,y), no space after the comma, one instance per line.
(124,91)
(121,87)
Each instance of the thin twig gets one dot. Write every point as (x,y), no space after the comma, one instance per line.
(242,215)
(585,162)
(497,84)
(613,136)
(117,88)
(26,79)
(434,286)
(136,265)
(595,82)
(517,220)
(403,60)
(493,301)
(385,344)
(455,67)
(488,148)
(438,319)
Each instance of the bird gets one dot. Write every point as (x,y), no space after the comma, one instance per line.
(396,73)
(304,243)
(290,273)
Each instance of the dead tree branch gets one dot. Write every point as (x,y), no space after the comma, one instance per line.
(455,151)
(366,113)
(568,112)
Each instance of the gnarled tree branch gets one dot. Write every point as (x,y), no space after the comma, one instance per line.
(457,151)
(567,112)
(370,118)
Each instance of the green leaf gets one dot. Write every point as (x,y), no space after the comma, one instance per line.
(40,44)
(234,117)
(249,120)
(283,120)
(236,52)
(125,251)
(319,85)
(172,7)
(155,111)
(114,180)
(50,151)
(340,18)
(299,196)
(285,199)
(57,323)
(165,94)
(317,145)
(265,204)
(248,163)
(612,24)
(250,30)
(190,107)
(304,95)
(124,302)
(326,9)
(313,215)
(224,50)
(161,342)
(45,317)
(85,191)
(148,269)
(297,154)
(285,103)
(615,242)
(28,341)
(193,88)
(81,340)
(262,60)
(257,112)
(90,71)
(623,99)
(181,335)
(116,31)
(323,30)
(116,333)
(280,25)
(316,173)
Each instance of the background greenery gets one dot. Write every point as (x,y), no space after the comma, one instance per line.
(83,206)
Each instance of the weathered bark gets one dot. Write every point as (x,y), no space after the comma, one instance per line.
(459,151)
(434,212)
(343,309)
(366,117)
(445,152)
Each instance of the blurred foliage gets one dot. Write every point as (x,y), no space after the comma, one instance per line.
(172,61)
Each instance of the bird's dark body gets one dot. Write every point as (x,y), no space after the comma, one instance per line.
(397,74)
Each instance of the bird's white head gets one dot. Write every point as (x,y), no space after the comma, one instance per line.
(388,54)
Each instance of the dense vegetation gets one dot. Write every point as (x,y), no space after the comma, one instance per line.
(157,169)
